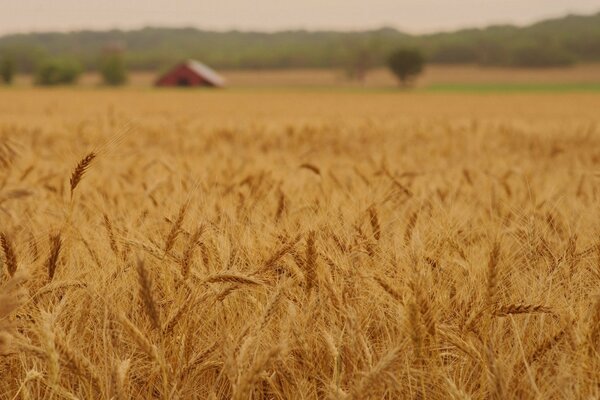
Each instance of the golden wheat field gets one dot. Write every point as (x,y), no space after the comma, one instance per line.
(299,245)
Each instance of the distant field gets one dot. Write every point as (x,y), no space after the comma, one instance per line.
(513,87)
(272,106)
(448,78)
(433,75)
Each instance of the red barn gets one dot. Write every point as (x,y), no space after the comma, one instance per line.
(191,73)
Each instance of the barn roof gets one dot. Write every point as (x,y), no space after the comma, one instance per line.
(206,72)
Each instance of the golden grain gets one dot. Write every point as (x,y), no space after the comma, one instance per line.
(434,247)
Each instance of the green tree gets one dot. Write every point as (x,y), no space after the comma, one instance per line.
(112,69)
(360,61)
(58,72)
(7,69)
(406,64)
(360,57)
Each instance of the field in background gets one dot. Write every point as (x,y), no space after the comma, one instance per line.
(433,75)
(436,77)
(298,245)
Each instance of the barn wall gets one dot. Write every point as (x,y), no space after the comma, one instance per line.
(173,77)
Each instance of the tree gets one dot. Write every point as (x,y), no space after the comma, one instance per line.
(360,56)
(7,69)
(406,64)
(360,61)
(58,72)
(112,69)
(361,53)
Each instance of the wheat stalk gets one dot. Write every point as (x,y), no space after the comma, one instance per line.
(371,380)
(492,273)
(11,297)
(47,340)
(281,252)
(310,261)
(77,362)
(10,257)
(243,388)
(546,346)
(111,235)
(139,338)
(521,308)
(52,261)
(80,170)
(311,167)
(410,226)
(389,290)
(188,253)
(118,379)
(175,228)
(150,306)
(375,225)
(281,205)
(232,278)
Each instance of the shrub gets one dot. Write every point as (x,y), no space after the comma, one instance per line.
(58,72)
(7,69)
(113,70)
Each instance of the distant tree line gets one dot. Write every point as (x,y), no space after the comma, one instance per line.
(557,42)
(51,71)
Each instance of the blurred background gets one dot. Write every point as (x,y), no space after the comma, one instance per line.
(429,45)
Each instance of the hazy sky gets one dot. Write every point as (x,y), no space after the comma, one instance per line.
(409,15)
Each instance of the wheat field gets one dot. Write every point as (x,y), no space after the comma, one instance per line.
(298,245)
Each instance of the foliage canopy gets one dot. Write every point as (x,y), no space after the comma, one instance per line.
(406,64)
(113,69)
(58,72)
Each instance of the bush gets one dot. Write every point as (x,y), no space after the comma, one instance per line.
(7,69)
(406,64)
(113,70)
(58,72)
(359,62)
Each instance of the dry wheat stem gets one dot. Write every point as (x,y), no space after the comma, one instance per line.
(80,169)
